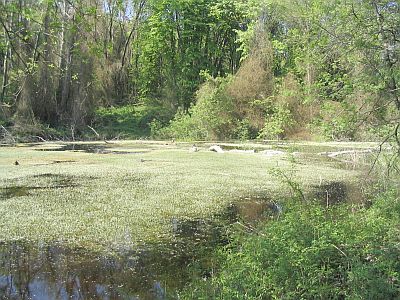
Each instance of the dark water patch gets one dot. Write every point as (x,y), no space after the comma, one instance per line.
(54,181)
(249,211)
(90,148)
(252,210)
(58,180)
(21,191)
(54,272)
(241,148)
(123,152)
(15,191)
(26,145)
(63,161)
(156,271)
(339,192)
(332,193)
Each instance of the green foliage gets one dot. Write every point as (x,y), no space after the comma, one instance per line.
(179,39)
(130,121)
(183,127)
(245,131)
(338,122)
(59,65)
(313,253)
(276,122)
(210,118)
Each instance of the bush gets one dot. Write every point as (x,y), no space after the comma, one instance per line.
(338,121)
(183,127)
(313,253)
(130,121)
(211,118)
(276,123)
(245,131)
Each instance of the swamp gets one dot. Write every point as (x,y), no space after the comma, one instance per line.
(199,149)
(136,219)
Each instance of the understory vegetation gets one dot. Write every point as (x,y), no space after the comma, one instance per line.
(200,69)
(312,252)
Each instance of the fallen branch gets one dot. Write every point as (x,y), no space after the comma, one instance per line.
(95,132)
(8,133)
(40,138)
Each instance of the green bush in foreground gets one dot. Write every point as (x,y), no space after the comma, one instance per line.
(313,253)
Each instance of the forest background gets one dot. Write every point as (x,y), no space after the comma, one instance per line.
(200,69)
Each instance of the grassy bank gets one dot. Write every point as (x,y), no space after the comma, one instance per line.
(128,193)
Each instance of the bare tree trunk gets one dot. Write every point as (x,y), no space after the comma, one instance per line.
(7,53)
(134,28)
(66,79)
(65,61)
(62,33)
(5,73)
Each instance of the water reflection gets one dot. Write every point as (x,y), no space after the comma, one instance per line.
(54,272)
(40,271)
(90,148)
(339,192)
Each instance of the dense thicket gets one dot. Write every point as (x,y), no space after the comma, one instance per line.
(312,252)
(321,68)
(217,69)
(61,59)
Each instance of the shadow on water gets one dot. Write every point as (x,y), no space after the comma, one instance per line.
(15,191)
(89,148)
(53,181)
(40,271)
(338,192)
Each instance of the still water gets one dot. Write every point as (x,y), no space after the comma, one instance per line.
(156,271)
(41,271)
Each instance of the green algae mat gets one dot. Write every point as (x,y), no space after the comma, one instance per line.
(121,194)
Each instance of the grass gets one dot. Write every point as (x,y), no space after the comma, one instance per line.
(111,201)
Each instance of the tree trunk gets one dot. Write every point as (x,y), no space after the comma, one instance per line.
(65,63)
(5,74)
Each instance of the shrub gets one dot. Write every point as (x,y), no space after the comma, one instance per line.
(244,130)
(210,118)
(338,120)
(183,127)
(130,121)
(276,123)
(313,252)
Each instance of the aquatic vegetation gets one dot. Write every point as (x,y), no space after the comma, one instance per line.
(107,201)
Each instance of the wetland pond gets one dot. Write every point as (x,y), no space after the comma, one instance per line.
(41,271)
(155,271)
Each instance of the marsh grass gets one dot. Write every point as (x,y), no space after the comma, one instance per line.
(108,201)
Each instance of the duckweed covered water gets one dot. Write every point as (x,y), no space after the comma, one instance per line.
(84,199)
(156,271)
(90,148)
